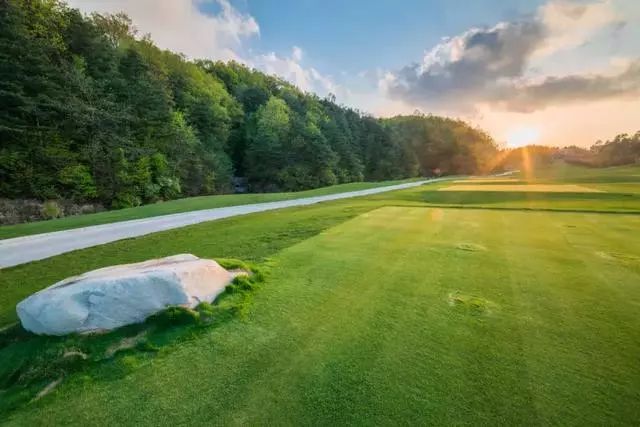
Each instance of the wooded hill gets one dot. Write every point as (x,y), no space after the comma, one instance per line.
(95,113)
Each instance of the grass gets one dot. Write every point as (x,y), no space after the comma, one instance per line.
(527,188)
(31,366)
(559,187)
(384,309)
(385,320)
(177,206)
(563,172)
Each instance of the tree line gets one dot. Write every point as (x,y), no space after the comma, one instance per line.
(623,149)
(94,112)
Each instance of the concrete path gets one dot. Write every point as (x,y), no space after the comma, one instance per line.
(21,250)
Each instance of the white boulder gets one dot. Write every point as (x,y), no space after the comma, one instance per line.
(121,295)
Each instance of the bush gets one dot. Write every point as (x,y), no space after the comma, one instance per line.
(79,182)
(50,210)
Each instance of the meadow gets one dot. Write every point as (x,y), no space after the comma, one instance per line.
(414,306)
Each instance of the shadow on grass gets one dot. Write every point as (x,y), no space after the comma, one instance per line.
(33,365)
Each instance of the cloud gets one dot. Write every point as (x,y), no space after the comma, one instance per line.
(489,64)
(467,66)
(290,68)
(569,89)
(181,26)
(211,29)
(569,24)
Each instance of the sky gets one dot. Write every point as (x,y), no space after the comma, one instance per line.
(554,72)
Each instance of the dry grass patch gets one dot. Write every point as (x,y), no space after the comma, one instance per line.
(471,247)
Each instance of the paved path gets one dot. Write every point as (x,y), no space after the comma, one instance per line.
(21,250)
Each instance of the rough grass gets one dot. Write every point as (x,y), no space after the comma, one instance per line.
(177,206)
(382,320)
(31,366)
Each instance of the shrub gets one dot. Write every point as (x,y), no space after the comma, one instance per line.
(50,210)
(78,180)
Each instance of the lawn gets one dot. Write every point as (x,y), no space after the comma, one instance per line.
(558,187)
(177,206)
(387,309)
(407,315)
(513,188)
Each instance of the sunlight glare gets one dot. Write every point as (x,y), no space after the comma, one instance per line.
(521,136)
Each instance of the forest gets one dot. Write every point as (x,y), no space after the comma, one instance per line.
(94,112)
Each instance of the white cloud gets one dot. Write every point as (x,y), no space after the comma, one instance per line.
(180,26)
(569,24)
(291,68)
(540,60)
(296,54)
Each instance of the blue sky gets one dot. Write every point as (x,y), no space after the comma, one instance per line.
(356,35)
(556,72)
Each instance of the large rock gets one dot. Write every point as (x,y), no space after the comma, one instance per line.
(121,295)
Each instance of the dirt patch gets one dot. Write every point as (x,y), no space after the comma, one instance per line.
(470,247)
(125,344)
(48,389)
(470,303)
(74,353)
(619,256)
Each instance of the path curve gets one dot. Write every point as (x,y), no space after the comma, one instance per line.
(25,249)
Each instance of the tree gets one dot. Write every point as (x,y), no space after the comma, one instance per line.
(96,113)
(265,156)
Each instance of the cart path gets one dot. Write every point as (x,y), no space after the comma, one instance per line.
(25,249)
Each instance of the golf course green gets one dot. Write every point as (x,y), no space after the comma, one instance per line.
(431,305)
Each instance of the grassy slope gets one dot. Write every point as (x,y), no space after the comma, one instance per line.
(177,206)
(361,325)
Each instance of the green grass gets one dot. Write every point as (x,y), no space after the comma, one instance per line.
(562,172)
(384,309)
(29,363)
(619,191)
(386,319)
(251,238)
(177,206)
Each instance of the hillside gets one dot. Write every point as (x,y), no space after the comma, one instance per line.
(99,115)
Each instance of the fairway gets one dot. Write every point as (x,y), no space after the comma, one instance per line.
(407,315)
(537,188)
(231,213)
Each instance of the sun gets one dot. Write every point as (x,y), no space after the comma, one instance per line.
(521,136)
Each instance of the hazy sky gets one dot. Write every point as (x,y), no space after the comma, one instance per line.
(557,72)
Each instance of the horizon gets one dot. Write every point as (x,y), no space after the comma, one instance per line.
(533,72)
